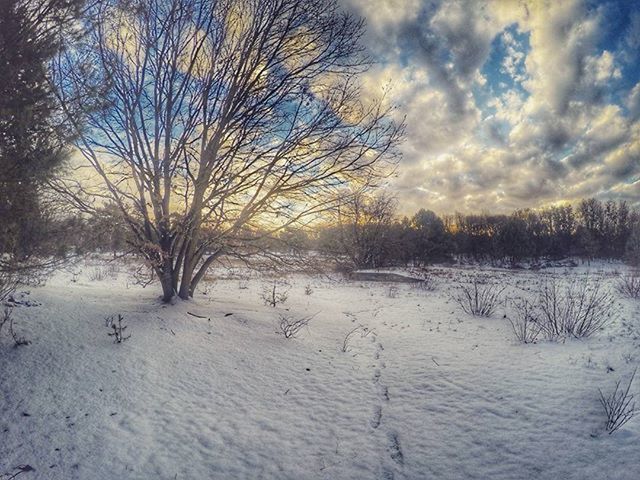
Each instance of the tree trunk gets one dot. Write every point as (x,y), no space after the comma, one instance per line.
(203,270)
(167,281)
(191,256)
(167,287)
(185,282)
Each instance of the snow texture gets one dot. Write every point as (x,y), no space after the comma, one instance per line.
(207,389)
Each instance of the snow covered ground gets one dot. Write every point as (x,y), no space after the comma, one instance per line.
(424,391)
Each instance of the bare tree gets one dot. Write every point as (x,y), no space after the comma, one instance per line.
(363,225)
(222,118)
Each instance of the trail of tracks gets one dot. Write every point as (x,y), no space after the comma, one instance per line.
(393,459)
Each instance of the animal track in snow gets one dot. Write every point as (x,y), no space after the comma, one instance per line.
(377,417)
(392,445)
(395,450)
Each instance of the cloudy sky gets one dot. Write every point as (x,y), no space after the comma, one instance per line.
(510,103)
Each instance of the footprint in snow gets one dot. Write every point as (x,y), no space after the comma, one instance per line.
(395,451)
(387,473)
(377,417)
(384,392)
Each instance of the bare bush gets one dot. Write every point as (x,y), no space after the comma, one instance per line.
(289,326)
(578,310)
(618,406)
(479,298)
(274,295)
(143,275)
(8,284)
(112,270)
(207,288)
(117,328)
(392,291)
(524,322)
(7,319)
(629,285)
(20,469)
(426,284)
(631,329)
(308,290)
(361,329)
(98,274)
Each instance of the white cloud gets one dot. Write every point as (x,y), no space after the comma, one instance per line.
(633,102)
(556,139)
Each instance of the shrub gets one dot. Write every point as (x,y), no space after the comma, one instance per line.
(8,284)
(578,310)
(618,406)
(16,471)
(98,274)
(289,327)
(143,275)
(629,285)
(364,332)
(117,328)
(524,322)
(426,284)
(112,270)
(274,295)
(479,298)
(7,319)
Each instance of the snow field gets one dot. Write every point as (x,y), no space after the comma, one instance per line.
(425,392)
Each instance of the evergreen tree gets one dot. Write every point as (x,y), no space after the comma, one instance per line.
(32,138)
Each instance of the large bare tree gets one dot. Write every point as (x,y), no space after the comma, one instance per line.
(222,117)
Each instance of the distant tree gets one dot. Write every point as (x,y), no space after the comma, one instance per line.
(293,240)
(223,117)
(537,242)
(588,243)
(559,226)
(106,230)
(513,240)
(428,240)
(476,234)
(603,228)
(364,230)
(632,249)
(621,229)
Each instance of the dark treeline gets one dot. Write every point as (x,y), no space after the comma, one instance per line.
(367,233)
(371,236)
